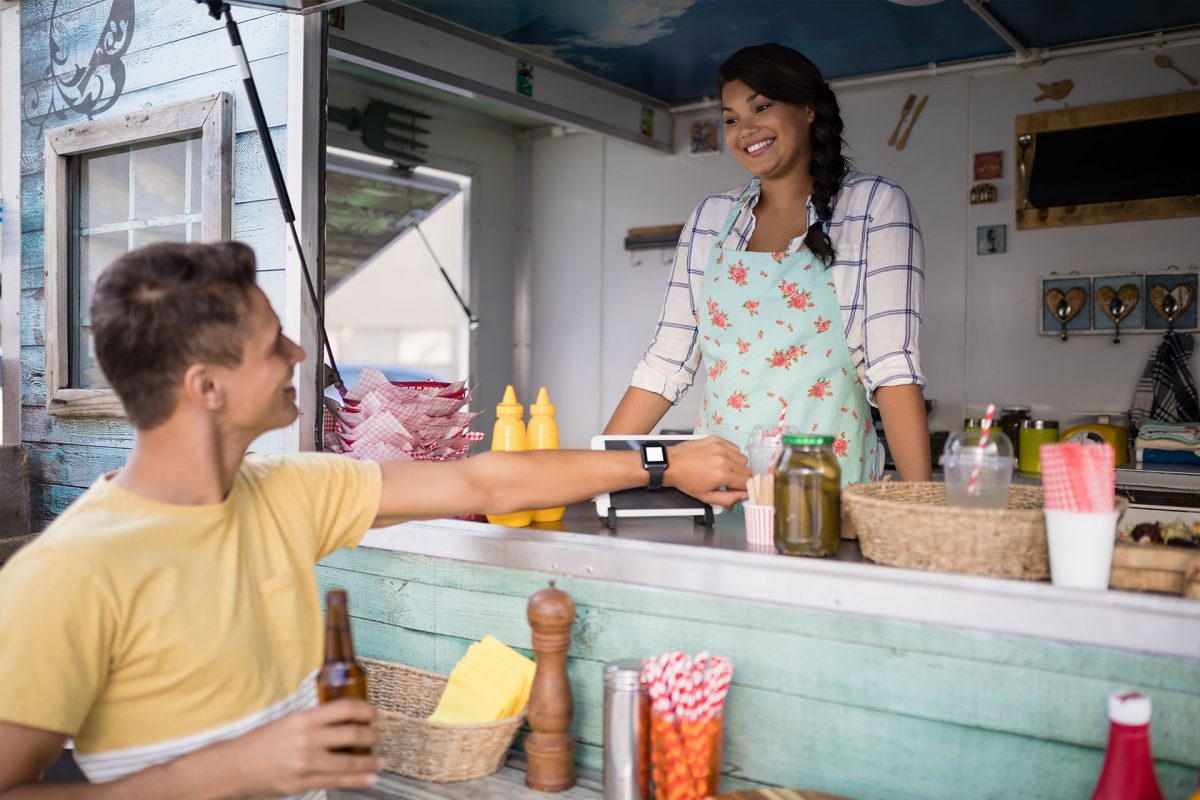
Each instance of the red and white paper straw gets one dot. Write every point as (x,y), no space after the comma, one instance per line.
(973,484)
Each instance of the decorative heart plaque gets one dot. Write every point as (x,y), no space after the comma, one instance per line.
(1129,295)
(1076,298)
(1183,295)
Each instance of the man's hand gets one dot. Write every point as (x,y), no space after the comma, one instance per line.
(701,468)
(292,755)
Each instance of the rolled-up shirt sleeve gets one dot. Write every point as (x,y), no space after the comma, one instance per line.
(669,365)
(893,292)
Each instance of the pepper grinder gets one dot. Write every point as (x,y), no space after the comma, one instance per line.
(550,746)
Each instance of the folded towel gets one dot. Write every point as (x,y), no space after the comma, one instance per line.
(1184,432)
(1165,444)
(1150,455)
(1166,392)
(491,682)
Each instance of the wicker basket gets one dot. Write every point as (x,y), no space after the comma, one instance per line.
(431,751)
(909,525)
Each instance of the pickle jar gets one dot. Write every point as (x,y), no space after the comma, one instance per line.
(808,497)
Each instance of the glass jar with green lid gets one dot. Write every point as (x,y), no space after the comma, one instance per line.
(808,497)
(1034,434)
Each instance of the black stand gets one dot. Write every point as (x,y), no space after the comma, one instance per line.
(216,10)
(706,519)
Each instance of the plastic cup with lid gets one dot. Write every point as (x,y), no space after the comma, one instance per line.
(992,466)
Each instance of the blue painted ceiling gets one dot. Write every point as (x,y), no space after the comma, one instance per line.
(669,49)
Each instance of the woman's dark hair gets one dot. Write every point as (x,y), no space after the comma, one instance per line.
(785,75)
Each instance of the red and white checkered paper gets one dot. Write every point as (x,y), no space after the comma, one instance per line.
(1078,477)
(385,421)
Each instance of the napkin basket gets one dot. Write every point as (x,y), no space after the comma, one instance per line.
(431,751)
(910,525)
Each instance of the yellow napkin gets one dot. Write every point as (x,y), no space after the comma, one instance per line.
(491,682)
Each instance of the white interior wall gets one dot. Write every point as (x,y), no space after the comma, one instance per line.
(595,304)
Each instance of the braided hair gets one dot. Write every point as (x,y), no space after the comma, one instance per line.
(786,76)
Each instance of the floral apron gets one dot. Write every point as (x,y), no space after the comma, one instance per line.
(772,339)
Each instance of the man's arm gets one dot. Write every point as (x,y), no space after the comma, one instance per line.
(711,469)
(288,756)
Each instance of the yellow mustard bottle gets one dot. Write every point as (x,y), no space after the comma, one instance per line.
(509,435)
(543,435)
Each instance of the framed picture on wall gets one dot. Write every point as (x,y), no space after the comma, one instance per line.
(989,240)
(989,166)
(703,139)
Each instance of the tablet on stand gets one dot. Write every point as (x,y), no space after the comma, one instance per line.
(643,502)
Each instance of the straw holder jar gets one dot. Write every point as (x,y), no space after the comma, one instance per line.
(431,751)
(910,525)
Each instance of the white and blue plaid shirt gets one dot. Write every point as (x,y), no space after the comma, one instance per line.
(879,276)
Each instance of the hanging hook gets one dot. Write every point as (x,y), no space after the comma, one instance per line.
(1117,307)
(1062,310)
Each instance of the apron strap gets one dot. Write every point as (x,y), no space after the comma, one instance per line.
(741,203)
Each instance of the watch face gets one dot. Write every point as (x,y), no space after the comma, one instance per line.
(655,454)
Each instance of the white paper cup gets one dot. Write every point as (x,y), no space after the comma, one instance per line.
(760,527)
(1081,548)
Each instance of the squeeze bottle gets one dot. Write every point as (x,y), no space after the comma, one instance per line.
(509,435)
(543,435)
(1128,772)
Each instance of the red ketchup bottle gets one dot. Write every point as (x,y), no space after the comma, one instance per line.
(1128,772)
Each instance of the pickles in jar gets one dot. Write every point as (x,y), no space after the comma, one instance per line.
(808,497)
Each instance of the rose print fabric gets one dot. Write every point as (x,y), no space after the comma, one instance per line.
(769,345)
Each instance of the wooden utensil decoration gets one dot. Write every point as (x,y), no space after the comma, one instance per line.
(549,745)
(1117,304)
(1054,91)
(1171,304)
(1166,63)
(1066,306)
(908,104)
(912,122)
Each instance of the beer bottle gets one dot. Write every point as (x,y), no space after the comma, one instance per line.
(340,675)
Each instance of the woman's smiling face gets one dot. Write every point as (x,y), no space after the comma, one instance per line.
(768,138)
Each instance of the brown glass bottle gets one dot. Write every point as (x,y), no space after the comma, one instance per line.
(340,675)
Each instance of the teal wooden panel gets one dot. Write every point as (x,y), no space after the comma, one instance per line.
(33,376)
(33,198)
(1023,701)
(906,723)
(252,179)
(47,501)
(71,464)
(33,260)
(1176,674)
(270,75)
(39,426)
(33,317)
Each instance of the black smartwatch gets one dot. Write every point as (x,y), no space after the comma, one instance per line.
(654,460)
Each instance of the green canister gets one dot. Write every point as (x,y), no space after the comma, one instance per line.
(808,497)
(973,425)
(1035,433)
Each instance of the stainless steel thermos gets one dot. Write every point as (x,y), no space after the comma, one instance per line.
(626,732)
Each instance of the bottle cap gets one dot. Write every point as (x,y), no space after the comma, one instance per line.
(335,597)
(509,407)
(543,406)
(806,440)
(1129,708)
(623,675)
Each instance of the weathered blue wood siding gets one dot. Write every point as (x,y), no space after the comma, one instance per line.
(175,53)
(864,707)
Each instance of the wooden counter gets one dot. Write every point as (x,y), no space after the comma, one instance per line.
(852,678)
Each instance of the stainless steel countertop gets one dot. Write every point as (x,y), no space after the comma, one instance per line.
(678,554)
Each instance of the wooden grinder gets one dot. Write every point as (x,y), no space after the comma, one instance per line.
(550,746)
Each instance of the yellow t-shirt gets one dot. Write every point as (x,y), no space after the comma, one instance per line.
(145,630)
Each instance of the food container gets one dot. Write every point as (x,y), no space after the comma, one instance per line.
(1010,421)
(978,477)
(808,503)
(1034,434)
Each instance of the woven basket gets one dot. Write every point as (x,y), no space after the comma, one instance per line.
(431,751)
(909,525)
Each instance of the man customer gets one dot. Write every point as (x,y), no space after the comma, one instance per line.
(168,622)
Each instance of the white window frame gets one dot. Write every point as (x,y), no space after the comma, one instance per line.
(210,117)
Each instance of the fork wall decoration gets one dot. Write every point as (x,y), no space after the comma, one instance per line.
(1119,304)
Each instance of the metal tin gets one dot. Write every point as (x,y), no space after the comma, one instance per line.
(1034,433)
(808,497)
(626,732)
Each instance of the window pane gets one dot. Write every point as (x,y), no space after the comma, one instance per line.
(161,181)
(159,233)
(104,189)
(96,252)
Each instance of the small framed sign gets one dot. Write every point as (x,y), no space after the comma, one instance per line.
(989,240)
(989,166)
(525,78)
(703,139)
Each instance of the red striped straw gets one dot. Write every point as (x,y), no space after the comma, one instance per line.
(973,484)
(782,414)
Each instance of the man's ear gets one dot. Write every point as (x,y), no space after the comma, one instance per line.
(812,115)
(202,388)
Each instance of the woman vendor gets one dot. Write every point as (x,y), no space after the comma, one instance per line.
(800,291)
